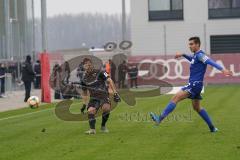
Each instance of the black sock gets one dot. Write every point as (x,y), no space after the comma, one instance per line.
(105,117)
(92,121)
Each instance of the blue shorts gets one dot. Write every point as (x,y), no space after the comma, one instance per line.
(194,89)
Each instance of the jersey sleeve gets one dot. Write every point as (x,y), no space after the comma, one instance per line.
(202,57)
(83,83)
(188,57)
(205,59)
(103,76)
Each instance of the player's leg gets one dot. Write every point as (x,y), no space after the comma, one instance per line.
(136,82)
(106,108)
(27,85)
(91,118)
(119,82)
(85,98)
(203,113)
(131,82)
(181,95)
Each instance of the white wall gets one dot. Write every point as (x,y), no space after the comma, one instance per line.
(148,36)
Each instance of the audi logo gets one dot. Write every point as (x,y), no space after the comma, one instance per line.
(162,69)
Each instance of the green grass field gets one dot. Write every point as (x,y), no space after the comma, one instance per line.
(132,135)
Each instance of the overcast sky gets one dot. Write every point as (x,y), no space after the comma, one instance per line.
(55,7)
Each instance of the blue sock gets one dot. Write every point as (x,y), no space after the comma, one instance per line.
(170,107)
(203,113)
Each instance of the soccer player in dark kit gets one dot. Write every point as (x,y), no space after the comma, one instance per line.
(97,82)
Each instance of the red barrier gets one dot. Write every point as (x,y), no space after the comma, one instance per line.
(166,68)
(45,68)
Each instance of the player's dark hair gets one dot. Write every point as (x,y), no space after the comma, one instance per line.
(85,60)
(196,40)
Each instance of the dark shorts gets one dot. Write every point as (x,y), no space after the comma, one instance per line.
(194,89)
(83,86)
(97,103)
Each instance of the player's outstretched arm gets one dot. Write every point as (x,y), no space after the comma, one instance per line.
(113,87)
(227,72)
(205,59)
(178,55)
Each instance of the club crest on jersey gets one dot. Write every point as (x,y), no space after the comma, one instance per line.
(192,62)
(105,74)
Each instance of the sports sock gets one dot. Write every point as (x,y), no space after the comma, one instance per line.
(92,121)
(105,117)
(203,113)
(170,107)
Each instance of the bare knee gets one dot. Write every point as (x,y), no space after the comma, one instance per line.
(91,110)
(196,105)
(197,108)
(106,108)
(181,95)
(175,99)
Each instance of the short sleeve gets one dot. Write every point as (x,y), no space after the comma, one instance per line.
(202,57)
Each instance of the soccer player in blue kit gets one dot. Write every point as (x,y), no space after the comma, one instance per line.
(199,62)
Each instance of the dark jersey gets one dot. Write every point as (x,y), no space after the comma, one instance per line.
(27,72)
(95,82)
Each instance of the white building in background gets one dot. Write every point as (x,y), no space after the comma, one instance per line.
(160,27)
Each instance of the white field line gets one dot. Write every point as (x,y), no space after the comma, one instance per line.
(27,114)
(23,115)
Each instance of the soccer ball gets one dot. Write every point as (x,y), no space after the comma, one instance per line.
(33,102)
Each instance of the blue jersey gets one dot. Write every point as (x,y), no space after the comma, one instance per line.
(198,66)
(199,62)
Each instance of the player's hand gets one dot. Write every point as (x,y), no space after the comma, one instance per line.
(227,72)
(116,98)
(178,55)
